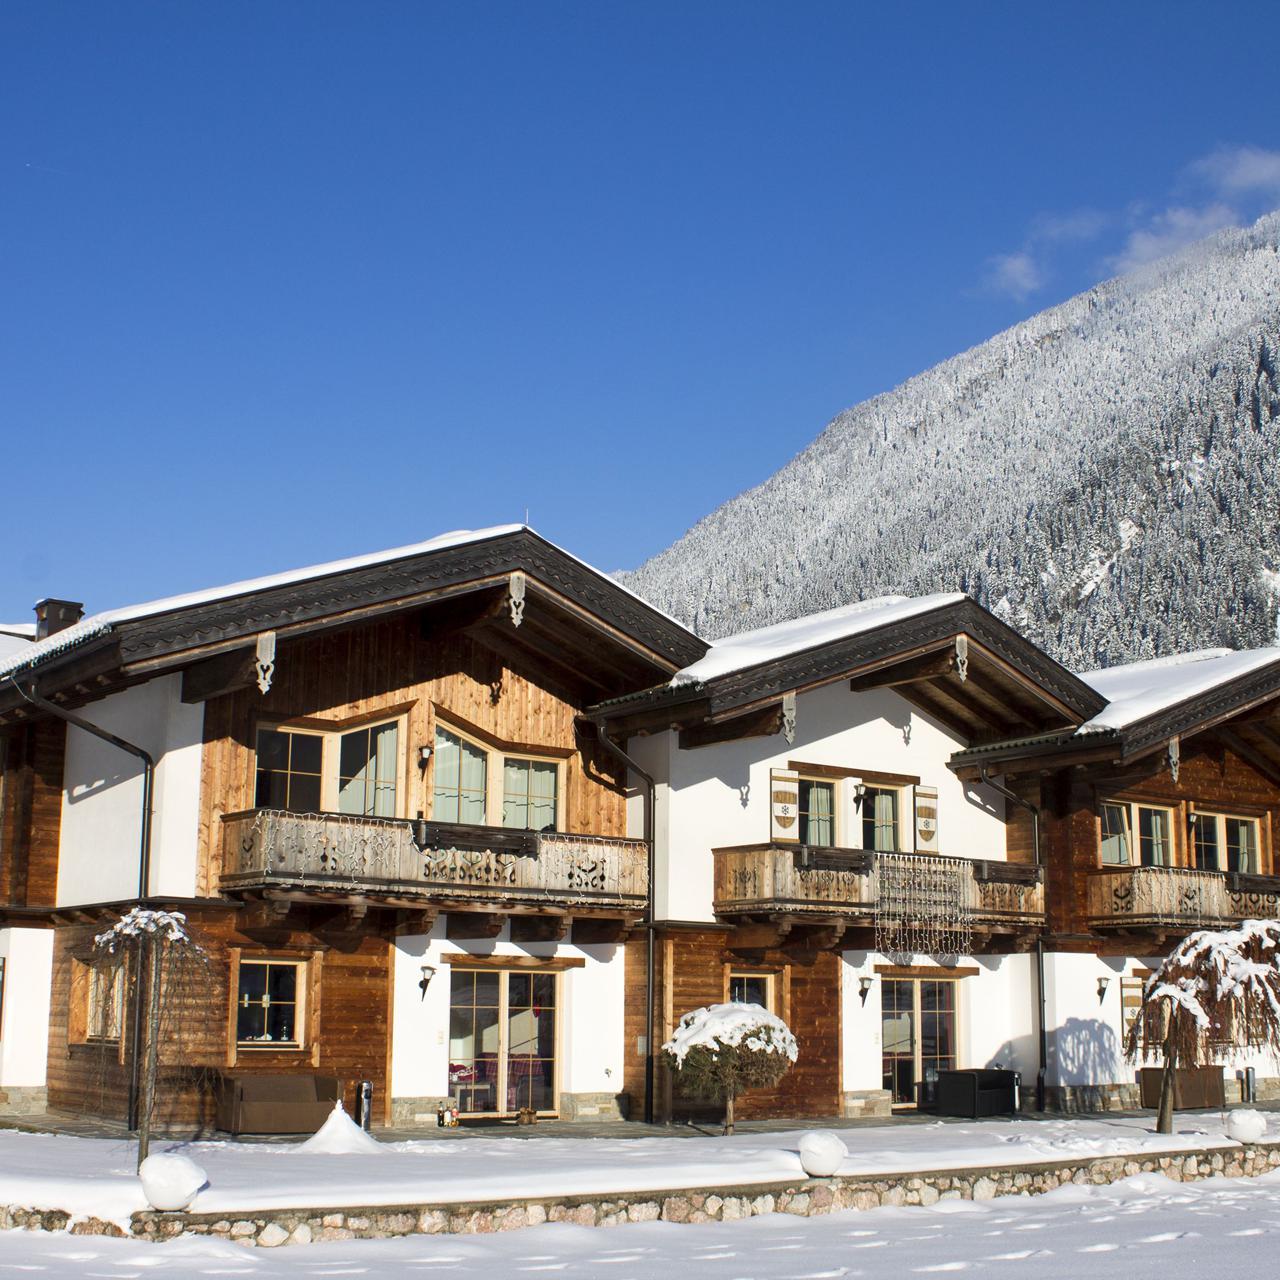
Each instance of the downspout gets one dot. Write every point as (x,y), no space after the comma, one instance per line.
(649,984)
(144,862)
(1034,811)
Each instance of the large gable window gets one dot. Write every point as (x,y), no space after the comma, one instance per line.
(481,785)
(352,771)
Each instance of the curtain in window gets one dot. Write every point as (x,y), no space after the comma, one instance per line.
(885,813)
(460,775)
(1153,836)
(816,798)
(529,794)
(1242,846)
(367,771)
(1206,842)
(1115,835)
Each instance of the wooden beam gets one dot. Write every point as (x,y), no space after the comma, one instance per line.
(758,937)
(764,723)
(474,924)
(603,930)
(923,696)
(1263,764)
(978,704)
(222,674)
(922,668)
(552,964)
(409,922)
(540,928)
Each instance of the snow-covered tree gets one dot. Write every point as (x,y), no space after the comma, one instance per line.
(157,953)
(722,1050)
(1216,990)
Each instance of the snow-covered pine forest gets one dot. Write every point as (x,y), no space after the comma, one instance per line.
(1105,475)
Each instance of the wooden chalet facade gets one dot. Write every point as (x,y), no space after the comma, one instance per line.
(473,823)
(373,795)
(1160,818)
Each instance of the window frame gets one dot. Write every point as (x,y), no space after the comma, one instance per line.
(502,1081)
(802,814)
(496,757)
(868,790)
(916,982)
(768,976)
(301,1004)
(331,757)
(1132,810)
(1220,818)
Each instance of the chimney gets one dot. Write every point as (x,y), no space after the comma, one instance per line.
(53,616)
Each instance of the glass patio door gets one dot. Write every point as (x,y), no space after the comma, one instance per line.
(918,1039)
(502,1041)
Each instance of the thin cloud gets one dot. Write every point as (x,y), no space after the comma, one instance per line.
(1169,231)
(1061,228)
(1238,171)
(1016,275)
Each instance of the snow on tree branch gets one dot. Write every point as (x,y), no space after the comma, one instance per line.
(141,922)
(720,1026)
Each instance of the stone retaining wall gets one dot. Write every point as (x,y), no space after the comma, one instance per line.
(803,1197)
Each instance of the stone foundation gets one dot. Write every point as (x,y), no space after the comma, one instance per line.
(866,1102)
(593,1106)
(803,1197)
(410,1113)
(24,1100)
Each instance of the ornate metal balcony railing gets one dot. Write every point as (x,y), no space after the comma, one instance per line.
(327,851)
(893,889)
(1154,897)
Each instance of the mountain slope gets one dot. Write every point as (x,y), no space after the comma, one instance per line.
(1105,475)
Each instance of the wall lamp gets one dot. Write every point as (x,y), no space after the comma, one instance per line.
(864,987)
(1103,983)
(428,972)
(424,755)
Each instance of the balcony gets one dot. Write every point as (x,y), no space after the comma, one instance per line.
(877,889)
(1126,898)
(458,867)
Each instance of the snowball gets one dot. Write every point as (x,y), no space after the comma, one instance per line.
(170,1182)
(339,1136)
(822,1152)
(1246,1125)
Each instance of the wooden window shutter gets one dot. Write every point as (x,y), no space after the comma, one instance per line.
(925,805)
(784,806)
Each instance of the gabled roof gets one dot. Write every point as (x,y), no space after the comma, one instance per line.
(1150,703)
(617,631)
(957,662)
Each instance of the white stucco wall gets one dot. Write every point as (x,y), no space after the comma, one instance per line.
(102,796)
(718,795)
(995,1016)
(24,1021)
(590,1015)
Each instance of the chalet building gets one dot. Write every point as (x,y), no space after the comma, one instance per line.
(1156,817)
(814,852)
(371,788)
(470,821)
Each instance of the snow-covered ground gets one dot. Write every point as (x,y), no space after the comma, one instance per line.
(94,1177)
(1141,1228)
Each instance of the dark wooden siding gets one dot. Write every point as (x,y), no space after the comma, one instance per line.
(31,816)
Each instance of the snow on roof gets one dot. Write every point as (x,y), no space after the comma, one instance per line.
(23,630)
(1138,690)
(11,645)
(88,628)
(750,648)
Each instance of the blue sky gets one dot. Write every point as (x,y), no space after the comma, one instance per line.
(282,282)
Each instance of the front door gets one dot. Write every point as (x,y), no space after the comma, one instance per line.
(918,1023)
(502,1041)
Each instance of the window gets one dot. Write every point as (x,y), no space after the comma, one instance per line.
(502,1040)
(752,988)
(472,783)
(1224,843)
(918,1025)
(1154,829)
(529,794)
(817,812)
(880,819)
(306,771)
(268,1004)
(105,1012)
